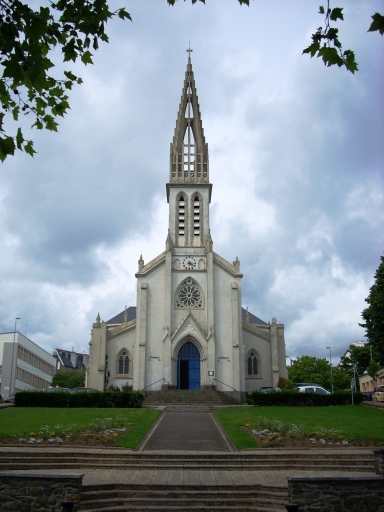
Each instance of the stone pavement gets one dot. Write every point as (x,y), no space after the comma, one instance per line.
(187,431)
(187,477)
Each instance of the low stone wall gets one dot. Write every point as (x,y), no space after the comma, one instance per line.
(24,492)
(379,460)
(337,493)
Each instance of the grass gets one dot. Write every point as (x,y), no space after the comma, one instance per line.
(23,421)
(353,421)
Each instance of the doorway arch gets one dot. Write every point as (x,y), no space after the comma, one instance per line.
(188,367)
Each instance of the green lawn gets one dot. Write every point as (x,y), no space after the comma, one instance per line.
(353,421)
(22,421)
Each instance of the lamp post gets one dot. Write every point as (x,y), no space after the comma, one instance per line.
(13,351)
(330,362)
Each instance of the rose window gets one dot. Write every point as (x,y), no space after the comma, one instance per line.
(189,295)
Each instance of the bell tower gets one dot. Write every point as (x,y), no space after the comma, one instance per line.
(189,190)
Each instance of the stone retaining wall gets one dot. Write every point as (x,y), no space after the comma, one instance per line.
(337,494)
(23,492)
(379,460)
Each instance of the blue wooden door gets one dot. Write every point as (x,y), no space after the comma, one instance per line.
(194,374)
(188,367)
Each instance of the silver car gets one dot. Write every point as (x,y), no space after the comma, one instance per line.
(313,389)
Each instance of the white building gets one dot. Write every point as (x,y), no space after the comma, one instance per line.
(23,364)
(189,330)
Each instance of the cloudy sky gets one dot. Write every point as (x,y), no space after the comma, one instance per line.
(296,162)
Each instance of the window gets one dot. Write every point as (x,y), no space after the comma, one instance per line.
(196,216)
(123,363)
(189,295)
(181,216)
(252,364)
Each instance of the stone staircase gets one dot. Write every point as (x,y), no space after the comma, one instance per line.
(189,397)
(120,497)
(350,460)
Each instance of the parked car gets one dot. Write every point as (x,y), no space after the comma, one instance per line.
(378,394)
(10,399)
(367,395)
(84,390)
(313,389)
(57,390)
(300,384)
(269,389)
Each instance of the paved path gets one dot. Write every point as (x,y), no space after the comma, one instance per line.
(187,431)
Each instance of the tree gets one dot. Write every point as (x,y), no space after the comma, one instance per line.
(361,356)
(373,315)
(284,383)
(70,379)
(341,380)
(27,40)
(311,369)
(373,371)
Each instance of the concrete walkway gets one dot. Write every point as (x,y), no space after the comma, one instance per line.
(187,431)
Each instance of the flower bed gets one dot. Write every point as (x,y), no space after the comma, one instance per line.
(101,432)
(274,434)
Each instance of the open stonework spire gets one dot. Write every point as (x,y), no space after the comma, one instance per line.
(189,152)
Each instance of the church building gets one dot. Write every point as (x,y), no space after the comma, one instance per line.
(188,329)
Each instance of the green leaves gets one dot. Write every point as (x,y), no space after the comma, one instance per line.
(377,23)
(326,43)
(27,38)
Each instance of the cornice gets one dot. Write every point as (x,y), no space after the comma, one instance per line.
(121,329)
(189,185)
(156,262)
(257,329)
(225,265)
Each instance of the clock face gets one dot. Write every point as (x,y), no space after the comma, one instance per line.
(189,263)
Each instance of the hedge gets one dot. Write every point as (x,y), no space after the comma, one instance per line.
(106,399)
(307,399)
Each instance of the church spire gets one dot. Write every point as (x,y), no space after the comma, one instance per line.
(189,152)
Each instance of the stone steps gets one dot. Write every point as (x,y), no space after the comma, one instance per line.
(60,458)
(182,498)
(188,397)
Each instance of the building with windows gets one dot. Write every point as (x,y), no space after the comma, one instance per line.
(188,329)
(67,360)
(23,364)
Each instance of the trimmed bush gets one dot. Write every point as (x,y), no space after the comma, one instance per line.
(103,400)
(306,399)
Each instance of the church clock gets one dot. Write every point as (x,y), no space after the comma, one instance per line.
(189,263)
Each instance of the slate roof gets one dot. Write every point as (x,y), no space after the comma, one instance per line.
(118,319)
(253,319)
(69,359)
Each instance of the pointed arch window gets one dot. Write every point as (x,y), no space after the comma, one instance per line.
(124,363)
(196,216)
(189,295)
(188,145)
(181,215)
(189,110)
(253,367)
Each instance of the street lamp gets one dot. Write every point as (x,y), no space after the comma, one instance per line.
(330,362)
(13,351)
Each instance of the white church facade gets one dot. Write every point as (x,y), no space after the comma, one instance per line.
(188,329)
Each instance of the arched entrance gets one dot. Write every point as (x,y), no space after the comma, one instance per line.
(188,367)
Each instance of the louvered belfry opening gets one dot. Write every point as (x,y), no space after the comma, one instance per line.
(196,216)
(181,216)
(189,152)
